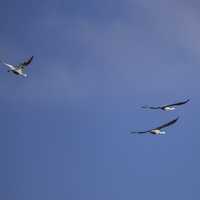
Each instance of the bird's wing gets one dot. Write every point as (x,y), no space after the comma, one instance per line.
(167,124)
(24,64)
(151,107)
(8,65)
(139,132)
(177,104)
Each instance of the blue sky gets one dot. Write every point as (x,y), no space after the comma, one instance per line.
(65,129)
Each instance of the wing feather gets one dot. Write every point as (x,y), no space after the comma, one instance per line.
(151,107)
(8,65)
(176,104)
(167,124)
(24,64)
(139,132)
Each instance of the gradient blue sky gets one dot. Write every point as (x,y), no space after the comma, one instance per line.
(65,129)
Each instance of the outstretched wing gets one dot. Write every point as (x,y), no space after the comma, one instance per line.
(140,132)
(167,124)
(8,65)
(24,64)
(177,104)
(151,107)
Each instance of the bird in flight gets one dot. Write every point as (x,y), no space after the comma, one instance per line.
(157,130)
(168,107)
(18,69)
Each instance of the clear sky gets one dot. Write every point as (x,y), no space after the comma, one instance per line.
(65,129)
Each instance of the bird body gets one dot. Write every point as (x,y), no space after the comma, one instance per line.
(168,107)
(157,130)
(18,69)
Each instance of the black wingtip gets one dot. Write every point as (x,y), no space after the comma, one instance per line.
(132,132)
(186,101)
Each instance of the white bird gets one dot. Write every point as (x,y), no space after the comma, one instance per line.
(157,130)
(168,107)
(18,69)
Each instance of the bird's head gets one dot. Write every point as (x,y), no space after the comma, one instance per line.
(162,132)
